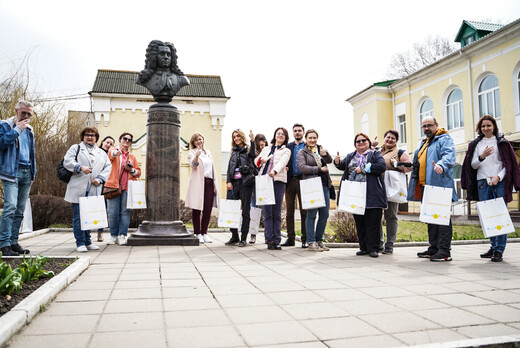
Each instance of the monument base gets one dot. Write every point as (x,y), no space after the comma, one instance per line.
(162,233)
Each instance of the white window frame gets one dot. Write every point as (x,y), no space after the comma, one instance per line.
(450,111)
(401,128)
(484,95)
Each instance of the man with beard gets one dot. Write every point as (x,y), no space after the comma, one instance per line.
(293,188)
(433,165)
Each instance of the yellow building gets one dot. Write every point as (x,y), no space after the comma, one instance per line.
(482,77)
(120,105)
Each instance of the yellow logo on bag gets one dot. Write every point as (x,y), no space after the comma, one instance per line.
(312,201)
(499,227)
(435,216)
(95,222)
(353,206)
(260,199)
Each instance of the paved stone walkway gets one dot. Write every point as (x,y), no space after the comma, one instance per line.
(219,296)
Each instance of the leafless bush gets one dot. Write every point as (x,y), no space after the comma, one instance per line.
(49,210)
(344,228)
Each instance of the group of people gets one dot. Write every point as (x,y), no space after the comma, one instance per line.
(490,170)
(96,170)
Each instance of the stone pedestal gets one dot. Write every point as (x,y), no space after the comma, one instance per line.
(162,182)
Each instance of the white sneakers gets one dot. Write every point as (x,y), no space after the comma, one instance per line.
(122,240)
(113,240)
(206,238)
(201,239)
(81,249)
(92,247)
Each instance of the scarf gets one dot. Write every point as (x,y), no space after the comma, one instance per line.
(361,158)
(389,153)
(315,151)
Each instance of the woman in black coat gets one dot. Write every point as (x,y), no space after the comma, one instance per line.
(240,181)
(366,165)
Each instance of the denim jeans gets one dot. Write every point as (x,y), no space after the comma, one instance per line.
(498,243)
(118,215)
(316,235)
(15,197)
(82,237)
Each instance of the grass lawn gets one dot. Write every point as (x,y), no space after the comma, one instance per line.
(412,231)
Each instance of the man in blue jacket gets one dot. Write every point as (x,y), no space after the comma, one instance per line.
(17,172)
(292,191)
(433,165)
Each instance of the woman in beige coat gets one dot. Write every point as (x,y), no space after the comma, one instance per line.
(273,162)
(202,193)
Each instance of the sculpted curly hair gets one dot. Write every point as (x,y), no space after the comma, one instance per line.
(150,64)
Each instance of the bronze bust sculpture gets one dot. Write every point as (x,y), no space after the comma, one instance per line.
(161,75)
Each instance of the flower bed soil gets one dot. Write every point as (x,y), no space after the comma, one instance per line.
(56,265)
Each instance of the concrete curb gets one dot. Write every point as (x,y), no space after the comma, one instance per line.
(24,312)
(27,235)
(489,342)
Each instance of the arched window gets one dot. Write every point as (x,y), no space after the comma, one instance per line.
(454,109)
(364,123)
(489,97)
(426,109)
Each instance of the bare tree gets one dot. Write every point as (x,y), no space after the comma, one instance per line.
(421,55)
(49,124)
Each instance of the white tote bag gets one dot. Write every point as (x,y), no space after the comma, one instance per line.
(436,205)
(264,187)
(254,225)
(395,183)
(136,197)
(27,223)
(353,197)
(229,214)
(312,193)
(494,217)
(92,212)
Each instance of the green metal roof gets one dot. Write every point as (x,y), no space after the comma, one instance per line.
(468,27)
(384,83)
(123,82)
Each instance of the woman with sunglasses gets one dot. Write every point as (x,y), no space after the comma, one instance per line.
(312,161)
(490,170)
(124,168)
(240,181)
(91,168)
(366,165)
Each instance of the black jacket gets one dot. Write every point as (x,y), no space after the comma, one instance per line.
(242,158)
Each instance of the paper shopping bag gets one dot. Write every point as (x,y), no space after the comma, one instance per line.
(494,217)
(229,214)
(396,188)
(136,197)
(92,213)
(436,205)
(264,187)
(27,223)
(353,197)
(254,224)
(312,193)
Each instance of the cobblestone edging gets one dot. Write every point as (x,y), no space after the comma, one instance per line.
(24,312)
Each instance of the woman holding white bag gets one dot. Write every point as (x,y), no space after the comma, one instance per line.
(90,167)
(312,161)
(393,155)
(366,165)
(490,170)
(273,162)
(202,190)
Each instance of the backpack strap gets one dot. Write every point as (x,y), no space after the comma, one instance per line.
(399,154)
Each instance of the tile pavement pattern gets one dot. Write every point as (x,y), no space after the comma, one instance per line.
(218,296)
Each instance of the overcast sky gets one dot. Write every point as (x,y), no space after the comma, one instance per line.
(280,61)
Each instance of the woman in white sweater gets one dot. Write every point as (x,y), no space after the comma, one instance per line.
(273,162)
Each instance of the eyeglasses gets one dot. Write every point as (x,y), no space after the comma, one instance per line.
(361,141)
(89,135)
(428,126)
(25,113)
(126,139)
